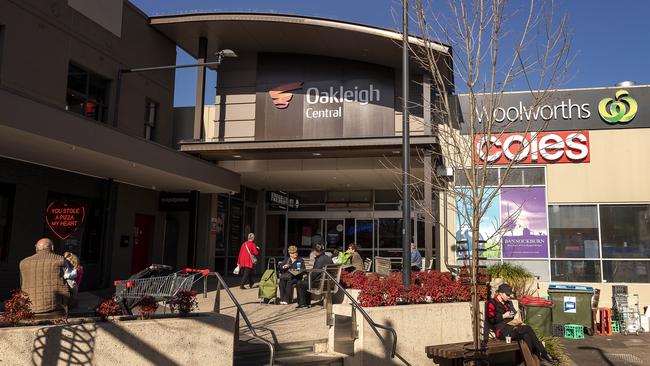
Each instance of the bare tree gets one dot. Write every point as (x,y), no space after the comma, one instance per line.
(498,46)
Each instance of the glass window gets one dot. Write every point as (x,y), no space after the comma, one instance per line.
(460,177)
(389,233)
(6,213)
(522,176)
(305,233)
(87,93)
(575,271)
(538,268)
(573,231)
(626,271)
(82,238)
(150,119)
(275,225)
(387,196)
(625,231)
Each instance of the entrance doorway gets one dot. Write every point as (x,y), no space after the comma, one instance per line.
(375,233)
(143,228)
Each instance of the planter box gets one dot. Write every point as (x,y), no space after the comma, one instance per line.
(417,326)
(202,339)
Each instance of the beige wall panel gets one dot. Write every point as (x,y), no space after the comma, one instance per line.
(618,171)
(239,98)
(236,112)
(239,129)
(416,124)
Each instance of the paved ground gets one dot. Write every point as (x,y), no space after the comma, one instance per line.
(609,350)
(278,323)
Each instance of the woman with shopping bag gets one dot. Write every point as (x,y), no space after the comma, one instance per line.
(246,261)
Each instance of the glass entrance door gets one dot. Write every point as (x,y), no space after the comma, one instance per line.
(334,234)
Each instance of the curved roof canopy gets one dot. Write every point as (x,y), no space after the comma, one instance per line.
(250,32)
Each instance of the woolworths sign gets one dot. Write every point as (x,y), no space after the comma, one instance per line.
(565,110)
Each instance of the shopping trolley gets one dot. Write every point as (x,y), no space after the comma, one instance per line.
(150,282)
(629,314)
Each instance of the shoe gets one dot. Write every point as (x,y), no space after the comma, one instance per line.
(301,306)
(547,357)
(242,287)
(284,303)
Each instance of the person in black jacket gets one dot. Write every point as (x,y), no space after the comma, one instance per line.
(500,316)
(320,261)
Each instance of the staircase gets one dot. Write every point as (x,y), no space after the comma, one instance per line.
(305,353)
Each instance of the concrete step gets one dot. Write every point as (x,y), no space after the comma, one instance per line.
(256,353)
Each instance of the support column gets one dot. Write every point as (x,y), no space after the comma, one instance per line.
(428,171)
(200,90)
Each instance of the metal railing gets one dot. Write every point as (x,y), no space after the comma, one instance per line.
(355,307)
(240,311)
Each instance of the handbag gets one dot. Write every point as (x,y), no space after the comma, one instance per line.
(236,270)
(285,275)
(253,258)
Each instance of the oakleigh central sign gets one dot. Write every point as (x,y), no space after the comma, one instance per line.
(563,110)
(310,97)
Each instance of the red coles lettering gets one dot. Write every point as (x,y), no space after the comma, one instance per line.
(533,147)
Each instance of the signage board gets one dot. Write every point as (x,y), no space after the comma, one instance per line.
(171,201)
(314,97)
(562,110)
(570,304)
(533,148)
(64,218)
(280,200)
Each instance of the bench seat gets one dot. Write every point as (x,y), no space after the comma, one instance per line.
(455,350)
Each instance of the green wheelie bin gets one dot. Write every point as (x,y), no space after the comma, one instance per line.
(572,305)
(538,314)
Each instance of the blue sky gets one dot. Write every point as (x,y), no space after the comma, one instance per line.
(609,39)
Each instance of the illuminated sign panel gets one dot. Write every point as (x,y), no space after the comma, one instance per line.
(64,218)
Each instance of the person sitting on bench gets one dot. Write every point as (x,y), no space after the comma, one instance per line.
(500,317)
(320,261)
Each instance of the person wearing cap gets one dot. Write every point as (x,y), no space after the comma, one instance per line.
(288,280)
(500,317)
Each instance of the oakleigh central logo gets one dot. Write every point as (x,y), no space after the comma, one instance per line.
(281,96)
(621,110)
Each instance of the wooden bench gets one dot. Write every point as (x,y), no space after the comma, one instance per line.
(455,351)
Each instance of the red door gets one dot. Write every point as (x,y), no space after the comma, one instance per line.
(142,242)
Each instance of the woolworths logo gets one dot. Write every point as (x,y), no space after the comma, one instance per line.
(621,110)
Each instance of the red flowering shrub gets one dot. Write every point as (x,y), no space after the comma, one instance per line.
(356,280)
(184,301)
(108,307)
(17,308)
(431,286)
(147,307)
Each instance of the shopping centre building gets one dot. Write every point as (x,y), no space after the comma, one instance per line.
(581,182)
(301,146)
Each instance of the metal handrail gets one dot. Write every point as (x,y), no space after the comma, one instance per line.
(240,310)
(358,307)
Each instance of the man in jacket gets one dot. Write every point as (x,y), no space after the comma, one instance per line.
(500,317)
(320,261)
(42,279)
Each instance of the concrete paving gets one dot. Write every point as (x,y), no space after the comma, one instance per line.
(609,350)
(280,324)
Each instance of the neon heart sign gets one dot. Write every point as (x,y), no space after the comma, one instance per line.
(64,218)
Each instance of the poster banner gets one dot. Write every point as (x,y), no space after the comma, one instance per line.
(488,227)
(524,217)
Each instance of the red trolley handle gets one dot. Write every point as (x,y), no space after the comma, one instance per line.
(203,272)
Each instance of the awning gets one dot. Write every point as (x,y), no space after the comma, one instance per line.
(35,132)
